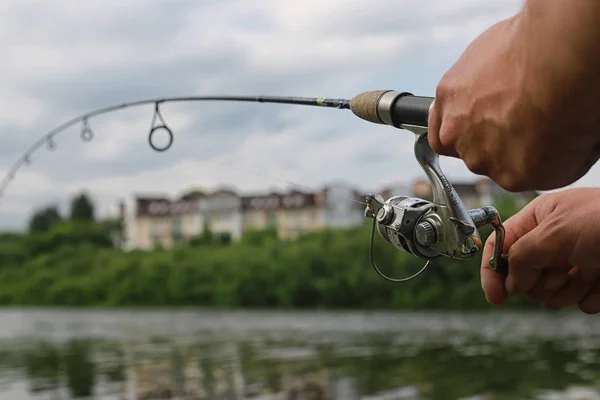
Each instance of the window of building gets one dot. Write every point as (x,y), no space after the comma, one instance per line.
(224,217)
(176,233)
(297,220)
(153,227)
(176,224)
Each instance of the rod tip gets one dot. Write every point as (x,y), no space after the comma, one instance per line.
(364,105)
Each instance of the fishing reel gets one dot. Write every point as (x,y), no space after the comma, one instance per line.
(423,228)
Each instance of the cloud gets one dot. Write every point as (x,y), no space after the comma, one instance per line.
(71,57)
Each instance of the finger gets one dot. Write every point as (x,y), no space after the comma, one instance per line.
(590,304)
(538,249)
(434,124)
(492,283)
(548,284)
(574,290)
(447,146)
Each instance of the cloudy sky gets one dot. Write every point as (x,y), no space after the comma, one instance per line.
(63,58)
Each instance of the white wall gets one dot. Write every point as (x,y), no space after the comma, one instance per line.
(130,226)
(223,210)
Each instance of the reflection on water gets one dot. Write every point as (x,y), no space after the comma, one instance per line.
(251,355)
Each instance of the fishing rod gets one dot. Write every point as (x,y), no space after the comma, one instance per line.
(442,227)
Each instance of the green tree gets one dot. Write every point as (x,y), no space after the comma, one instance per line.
(82,208)
(44,219)
(193,193)
(116,229)
(203,239)
(259,237)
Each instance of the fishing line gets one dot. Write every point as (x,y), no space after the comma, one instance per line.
(309,188)
(87,134)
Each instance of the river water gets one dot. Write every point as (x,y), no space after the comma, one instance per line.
(198,354)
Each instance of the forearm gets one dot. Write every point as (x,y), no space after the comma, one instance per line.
(561,60)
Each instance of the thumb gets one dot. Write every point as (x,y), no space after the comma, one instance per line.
(492,283)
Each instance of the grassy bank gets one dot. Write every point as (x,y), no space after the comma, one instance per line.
(74,263)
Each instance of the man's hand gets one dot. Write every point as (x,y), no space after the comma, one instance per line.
(519,106)
(553,247)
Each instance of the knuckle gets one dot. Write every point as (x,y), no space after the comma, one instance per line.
(523,279)
(514,182)
(512,185)
(477,162)
(518,257)
(449,131)
(442,142)
(442,88)
(435,143)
